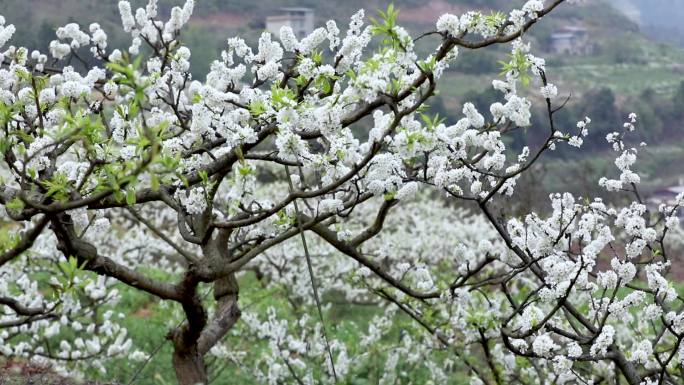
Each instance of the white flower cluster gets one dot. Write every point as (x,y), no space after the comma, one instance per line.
(549,91)
(624,161)
(6,31)
(603,341)
(544,345)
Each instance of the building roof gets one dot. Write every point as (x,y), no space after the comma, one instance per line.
(295,9)
(573,29)
(282,17)
(670,190)
(562,36)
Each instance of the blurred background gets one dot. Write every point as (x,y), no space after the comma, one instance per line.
(611,57)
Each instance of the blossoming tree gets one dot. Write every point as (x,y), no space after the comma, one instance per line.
(289,161)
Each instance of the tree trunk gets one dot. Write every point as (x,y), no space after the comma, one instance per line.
(198,335)
(191,344)
(188,360)
(189,366)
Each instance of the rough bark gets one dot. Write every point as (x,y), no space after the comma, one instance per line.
(198,335)
(188,361)
(227,313)
(191,345)
(189,366)
(87,254)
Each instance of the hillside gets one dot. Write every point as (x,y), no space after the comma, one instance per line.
(616,38)
(659,19)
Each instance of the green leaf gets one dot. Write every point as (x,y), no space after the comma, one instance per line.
(130,197)
(57,187)
(257,107)
(244,169)
(15,204)
(385,27)
(154,182)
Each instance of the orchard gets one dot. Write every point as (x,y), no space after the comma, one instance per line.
(311,173)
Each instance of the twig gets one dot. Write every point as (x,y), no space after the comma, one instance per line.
(311,274)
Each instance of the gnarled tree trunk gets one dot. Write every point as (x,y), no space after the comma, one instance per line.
(189,366)
(191,345)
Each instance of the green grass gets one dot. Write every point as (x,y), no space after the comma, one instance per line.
(621,78)
(581,74)
(148,329)
(347,322)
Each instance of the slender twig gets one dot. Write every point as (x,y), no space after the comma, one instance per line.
(311,275)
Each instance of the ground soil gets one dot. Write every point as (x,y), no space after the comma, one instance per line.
(23,373)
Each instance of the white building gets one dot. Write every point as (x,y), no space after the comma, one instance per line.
(301,20)
(571,41)
(665,195)
(668,197)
